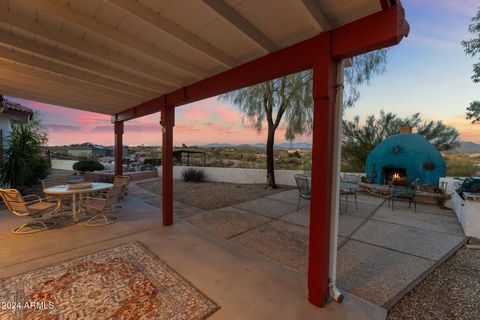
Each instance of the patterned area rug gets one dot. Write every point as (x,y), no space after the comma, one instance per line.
(125,282)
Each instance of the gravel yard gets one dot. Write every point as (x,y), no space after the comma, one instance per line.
(450,292)
(212,195)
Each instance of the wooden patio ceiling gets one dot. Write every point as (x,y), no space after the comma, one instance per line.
(107,56)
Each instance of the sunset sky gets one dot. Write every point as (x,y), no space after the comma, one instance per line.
(427,73)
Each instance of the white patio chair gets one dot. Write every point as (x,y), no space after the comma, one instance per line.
(33,209)
(103,207)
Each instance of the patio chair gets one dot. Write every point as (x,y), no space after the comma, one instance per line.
(303,186)
(103,207)
(347,180)
(66,201)
(119,179)
(403,193)
(33,209)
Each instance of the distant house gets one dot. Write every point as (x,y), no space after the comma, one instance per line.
(87,151)
(10,114)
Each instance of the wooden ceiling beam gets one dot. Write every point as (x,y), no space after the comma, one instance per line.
(61,69)
(313,8)
(50,76)
(79,62)
(35,85)
(157,75)
(242,24)
(63,88)
(44,97)
(186,37)
(69,14)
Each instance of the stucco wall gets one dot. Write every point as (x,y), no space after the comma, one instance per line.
(238,175)
(468,214)
(63,164)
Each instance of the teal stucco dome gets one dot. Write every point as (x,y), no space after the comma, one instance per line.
(407,154)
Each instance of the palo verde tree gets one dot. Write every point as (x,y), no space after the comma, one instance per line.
(287,101)
(472,48)
(359,140)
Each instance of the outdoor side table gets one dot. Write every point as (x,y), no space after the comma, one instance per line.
(64,190)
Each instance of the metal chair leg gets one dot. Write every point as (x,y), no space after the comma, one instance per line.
(298,204)
(34,226)
(356,203)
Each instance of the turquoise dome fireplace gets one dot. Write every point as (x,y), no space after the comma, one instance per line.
(405,157)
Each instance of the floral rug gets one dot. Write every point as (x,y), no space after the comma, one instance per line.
(125,282)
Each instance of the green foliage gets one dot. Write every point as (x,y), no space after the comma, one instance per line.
(24,161)
(193,175)
(473,111)
(359,141)
(472,48)
(89,165)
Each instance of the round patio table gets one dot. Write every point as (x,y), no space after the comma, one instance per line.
(65,190)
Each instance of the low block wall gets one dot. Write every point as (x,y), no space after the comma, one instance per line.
(63,164)
(238,175)
(108,176)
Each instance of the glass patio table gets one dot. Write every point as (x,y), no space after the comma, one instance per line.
(66,190)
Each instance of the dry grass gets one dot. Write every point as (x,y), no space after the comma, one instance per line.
(212,195)
(450,292)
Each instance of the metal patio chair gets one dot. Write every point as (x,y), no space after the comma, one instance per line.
(303,186)
(403,193)
(103,207)
(33,209)
(125,180)
(348,187)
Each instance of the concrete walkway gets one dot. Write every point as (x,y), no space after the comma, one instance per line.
(382,253)
(245,284)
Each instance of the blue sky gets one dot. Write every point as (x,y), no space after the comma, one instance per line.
(428,72)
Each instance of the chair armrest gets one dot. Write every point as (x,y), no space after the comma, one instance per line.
(32,196)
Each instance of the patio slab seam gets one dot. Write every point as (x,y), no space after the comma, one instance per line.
(414,227)
(349,236)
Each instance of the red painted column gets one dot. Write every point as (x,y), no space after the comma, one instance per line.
(323,91)
(167,122)
(118,129)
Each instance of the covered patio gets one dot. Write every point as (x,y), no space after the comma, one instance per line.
(130,59)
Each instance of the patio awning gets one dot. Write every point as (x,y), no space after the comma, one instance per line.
(108,56)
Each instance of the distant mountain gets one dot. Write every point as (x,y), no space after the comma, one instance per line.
(285,145)
(468,147)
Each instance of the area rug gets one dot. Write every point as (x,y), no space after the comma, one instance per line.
(125,282)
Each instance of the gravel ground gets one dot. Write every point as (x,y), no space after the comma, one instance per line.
(450,292)
(212,195)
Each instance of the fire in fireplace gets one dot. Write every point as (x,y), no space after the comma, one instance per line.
(395,175)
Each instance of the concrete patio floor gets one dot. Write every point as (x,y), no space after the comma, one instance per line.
(382,253)
(245,284)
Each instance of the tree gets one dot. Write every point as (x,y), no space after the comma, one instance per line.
(25,162)
(472,48)
(359,141)
(287,101)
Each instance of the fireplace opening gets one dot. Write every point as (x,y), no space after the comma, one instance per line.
(396,176)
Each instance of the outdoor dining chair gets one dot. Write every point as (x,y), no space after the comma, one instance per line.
(303,186)
(57,181)
(34,210)
(403,193)
(103,207)
(119,179)
(348,187)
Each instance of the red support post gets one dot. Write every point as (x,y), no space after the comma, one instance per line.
(167,122)
(118,129)
(324,92)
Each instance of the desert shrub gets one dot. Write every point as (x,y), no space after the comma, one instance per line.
(88,165)
(24,161)
(193,175)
